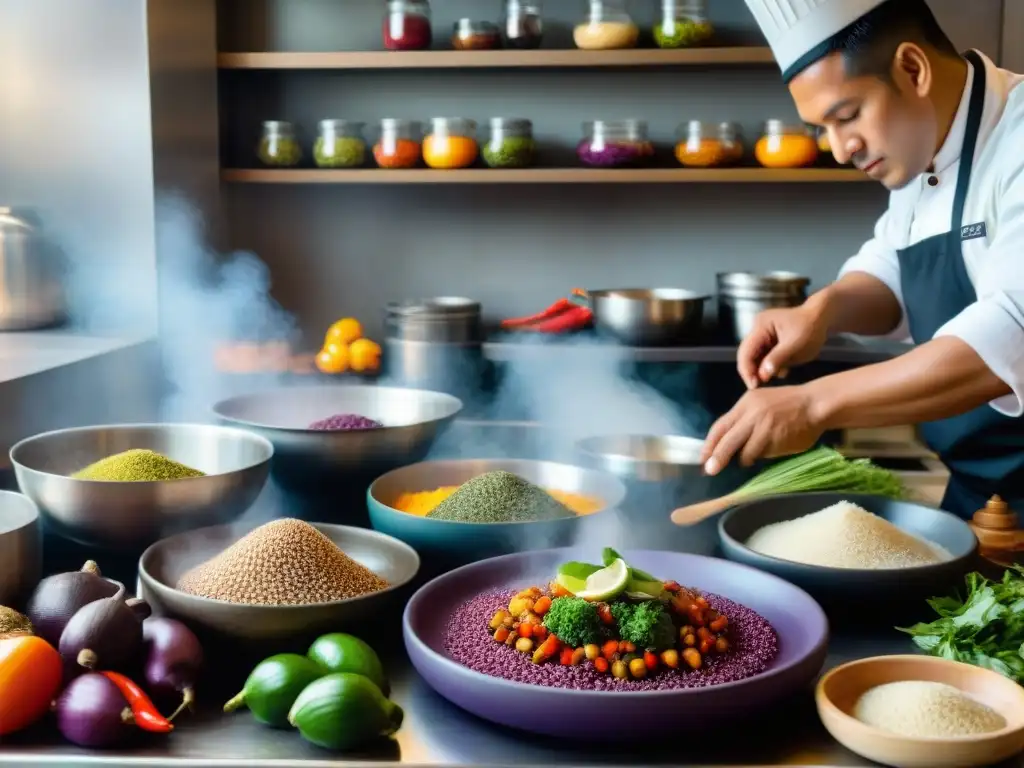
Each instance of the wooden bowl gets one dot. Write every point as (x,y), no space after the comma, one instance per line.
(838,691)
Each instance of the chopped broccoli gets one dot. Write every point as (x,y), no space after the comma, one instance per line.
(646,625)
(574,621)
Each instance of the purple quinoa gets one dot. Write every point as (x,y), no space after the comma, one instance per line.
(344,421)
(754,645)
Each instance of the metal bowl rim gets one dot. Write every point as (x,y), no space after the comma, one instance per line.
(804,569)
(582,446)
(685,294)
(502,683)
(217,407)
(33,507)
(621,490)
(157,585)
(242,433)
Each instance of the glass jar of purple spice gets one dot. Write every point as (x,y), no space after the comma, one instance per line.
(615,143)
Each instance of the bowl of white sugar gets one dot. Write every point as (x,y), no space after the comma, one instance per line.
(922,712)
(853,549)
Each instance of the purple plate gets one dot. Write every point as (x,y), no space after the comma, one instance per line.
(799,623)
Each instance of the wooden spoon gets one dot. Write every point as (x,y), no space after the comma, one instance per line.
(697,513)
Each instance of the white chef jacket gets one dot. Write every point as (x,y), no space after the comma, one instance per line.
(994,325)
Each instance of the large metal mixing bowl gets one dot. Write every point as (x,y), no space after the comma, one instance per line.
(21,553)
(132,515)
(309,459)
(648,317)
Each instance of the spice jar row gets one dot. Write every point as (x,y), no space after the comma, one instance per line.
(450,142)
(606,25)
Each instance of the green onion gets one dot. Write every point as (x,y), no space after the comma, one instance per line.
(823,469)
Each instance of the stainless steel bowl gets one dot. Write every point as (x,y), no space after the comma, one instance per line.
(21,554)
(413,419)
(164,563)
(648,317)
(134,515)
(653,458)
(742,296)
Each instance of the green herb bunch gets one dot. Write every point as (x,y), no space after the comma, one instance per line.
(823,469)
(985,629)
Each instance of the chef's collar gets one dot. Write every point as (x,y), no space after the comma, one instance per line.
(951,149)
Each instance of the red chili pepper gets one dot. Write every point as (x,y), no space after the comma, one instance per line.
(555,309)
(573,319)
(147,716)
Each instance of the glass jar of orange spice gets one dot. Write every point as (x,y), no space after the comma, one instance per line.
(399,144)
(451,143)
(784,146)
(702,145)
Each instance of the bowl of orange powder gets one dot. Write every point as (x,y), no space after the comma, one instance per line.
(457,512)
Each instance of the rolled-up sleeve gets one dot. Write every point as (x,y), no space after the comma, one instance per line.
(878,258)
(994,324)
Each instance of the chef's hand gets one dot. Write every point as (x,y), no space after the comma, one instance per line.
(781,338)
(765,423)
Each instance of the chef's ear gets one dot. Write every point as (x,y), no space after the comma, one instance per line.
(913,69)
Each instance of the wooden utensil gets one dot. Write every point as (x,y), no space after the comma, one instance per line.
(995,525)
(701,511)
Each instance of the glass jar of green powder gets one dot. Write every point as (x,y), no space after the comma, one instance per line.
(684,23)
(340,144)
(278,146)
(511,143)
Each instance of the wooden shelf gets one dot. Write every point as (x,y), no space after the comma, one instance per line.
(637,57)
(541,176)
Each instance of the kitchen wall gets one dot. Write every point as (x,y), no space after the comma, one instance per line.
(346,250)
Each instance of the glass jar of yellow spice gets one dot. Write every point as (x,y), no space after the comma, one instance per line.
(705,145)
(607,26)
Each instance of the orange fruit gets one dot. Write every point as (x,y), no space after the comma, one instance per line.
(333,359)
(345,331)
(364,356)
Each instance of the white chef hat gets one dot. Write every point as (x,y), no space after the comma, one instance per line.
(799,31)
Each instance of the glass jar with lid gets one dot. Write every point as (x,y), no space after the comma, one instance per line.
(607,25)
(406,25)
(683,23)
(339,144)
(523,24)
(470,35)
(399,143)
(279,147)
(786,146)
(511,143)
(707,145)
(614,143)
(450,143)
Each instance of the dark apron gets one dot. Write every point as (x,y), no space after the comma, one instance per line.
(983,449)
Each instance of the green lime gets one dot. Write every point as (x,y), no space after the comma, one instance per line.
(576,570)
(606,583)
(340,652)
(571,583)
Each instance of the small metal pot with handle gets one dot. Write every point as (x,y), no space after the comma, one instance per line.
(647,317)
(31,294)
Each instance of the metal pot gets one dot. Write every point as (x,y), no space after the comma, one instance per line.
(742,296)
(31,294)
(448,319)
(648,317)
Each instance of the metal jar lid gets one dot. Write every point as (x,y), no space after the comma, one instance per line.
(439,307)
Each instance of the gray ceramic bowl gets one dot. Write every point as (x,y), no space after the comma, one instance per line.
(132,516)
(413,420)
(447,543)
(839,587)
(21,554)
(164,563)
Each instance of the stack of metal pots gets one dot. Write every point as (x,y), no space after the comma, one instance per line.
(742,296)
(435,344)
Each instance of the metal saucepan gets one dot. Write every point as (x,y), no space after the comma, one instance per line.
(647,317)
(742,296)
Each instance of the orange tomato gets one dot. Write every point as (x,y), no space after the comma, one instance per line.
(364,356)
(333,359)
(345,331)
(30,677)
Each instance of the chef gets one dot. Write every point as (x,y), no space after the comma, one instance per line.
(944,132)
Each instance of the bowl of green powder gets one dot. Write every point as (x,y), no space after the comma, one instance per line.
(489,507)
(127,486)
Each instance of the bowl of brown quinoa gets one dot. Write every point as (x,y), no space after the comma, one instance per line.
(286,580)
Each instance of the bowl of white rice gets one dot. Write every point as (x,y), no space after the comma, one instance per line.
(850,547)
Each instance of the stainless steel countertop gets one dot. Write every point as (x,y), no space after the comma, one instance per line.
(437,733)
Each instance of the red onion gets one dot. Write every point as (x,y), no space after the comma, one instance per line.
(91,712)
(57,598)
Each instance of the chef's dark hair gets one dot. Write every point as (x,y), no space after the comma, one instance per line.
(870,43)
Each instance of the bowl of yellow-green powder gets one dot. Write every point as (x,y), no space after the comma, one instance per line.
(127,486)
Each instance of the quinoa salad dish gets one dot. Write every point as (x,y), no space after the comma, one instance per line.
(610,627)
